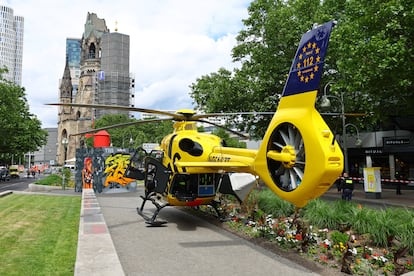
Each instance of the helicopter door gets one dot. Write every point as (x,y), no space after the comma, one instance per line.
(156,176)
(207,184)
(135,167)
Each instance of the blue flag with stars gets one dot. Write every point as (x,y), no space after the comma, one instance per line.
(306,71)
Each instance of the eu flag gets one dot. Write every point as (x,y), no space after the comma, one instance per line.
(306,70)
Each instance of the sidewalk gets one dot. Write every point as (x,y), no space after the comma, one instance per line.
(388,197)
(95,239)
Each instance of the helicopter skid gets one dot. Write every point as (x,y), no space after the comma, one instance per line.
(152,220)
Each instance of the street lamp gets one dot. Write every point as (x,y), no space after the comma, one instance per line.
(358,141)
(325,102)
(131,141)
(65,143)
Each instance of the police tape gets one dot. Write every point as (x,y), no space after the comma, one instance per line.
(383,180)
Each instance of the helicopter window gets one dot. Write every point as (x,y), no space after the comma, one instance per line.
(190,127)
(135,167)
(184,185)
(206,185)
(193,185)
(157,154)
(137,159)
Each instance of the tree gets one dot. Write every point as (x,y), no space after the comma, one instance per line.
(137,134)
(20,130)
(370,59)
(229,141)
(265,50)
(373,46)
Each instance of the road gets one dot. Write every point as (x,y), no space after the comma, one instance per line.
(16,184)
(187,245)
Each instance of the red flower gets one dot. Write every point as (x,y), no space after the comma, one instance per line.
(323,258)
(298,237)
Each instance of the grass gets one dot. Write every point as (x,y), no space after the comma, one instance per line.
(38,234)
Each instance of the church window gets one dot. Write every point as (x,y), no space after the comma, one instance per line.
(92,51)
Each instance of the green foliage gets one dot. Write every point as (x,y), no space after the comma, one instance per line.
(135,135)
(381,226)
(369,60)
(274,205)
(339,238)
(382,45)
(323,214)
(229,141)
(361,219)
(51,180)
(20,130)
(404,228)
(57,180)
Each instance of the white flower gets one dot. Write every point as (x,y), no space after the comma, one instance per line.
(383,259)
(353,251)
(327,242)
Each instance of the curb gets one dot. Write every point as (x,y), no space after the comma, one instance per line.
(96,254)
(8,192)
(42,188)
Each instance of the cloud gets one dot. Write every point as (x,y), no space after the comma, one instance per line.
(172,43)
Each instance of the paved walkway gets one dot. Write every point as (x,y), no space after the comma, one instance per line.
(95,239)
(387,197)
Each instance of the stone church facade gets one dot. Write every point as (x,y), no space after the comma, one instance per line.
(96,39)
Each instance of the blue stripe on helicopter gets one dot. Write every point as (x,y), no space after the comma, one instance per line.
(306,70)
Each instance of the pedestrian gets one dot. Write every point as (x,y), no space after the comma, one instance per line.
(338,183)
(399,175)
(347,187)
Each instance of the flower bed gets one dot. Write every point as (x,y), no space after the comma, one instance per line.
(339,246)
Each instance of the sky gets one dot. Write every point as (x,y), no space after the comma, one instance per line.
(172,43)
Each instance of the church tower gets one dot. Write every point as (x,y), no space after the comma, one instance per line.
(65,116)
(103,78)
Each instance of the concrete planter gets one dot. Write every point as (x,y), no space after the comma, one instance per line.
(42,188)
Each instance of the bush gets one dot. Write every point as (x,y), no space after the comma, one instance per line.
(56,180)
(50,180)
(274,205)
(323,214)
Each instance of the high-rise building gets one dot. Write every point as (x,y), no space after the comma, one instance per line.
(11,44)
(96,72)
(113,78)
(73,54)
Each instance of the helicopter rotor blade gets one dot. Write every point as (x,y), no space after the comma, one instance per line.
(124,108)
(209,115)
(181,115)
(122,125)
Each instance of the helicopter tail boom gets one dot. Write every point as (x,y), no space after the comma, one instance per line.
(299,158)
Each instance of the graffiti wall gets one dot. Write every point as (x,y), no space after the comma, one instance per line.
(103,170)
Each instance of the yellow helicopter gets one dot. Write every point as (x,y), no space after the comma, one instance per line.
(299,158)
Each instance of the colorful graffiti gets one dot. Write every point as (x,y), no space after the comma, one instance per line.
(87,173)
(104,169)
(115,167)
